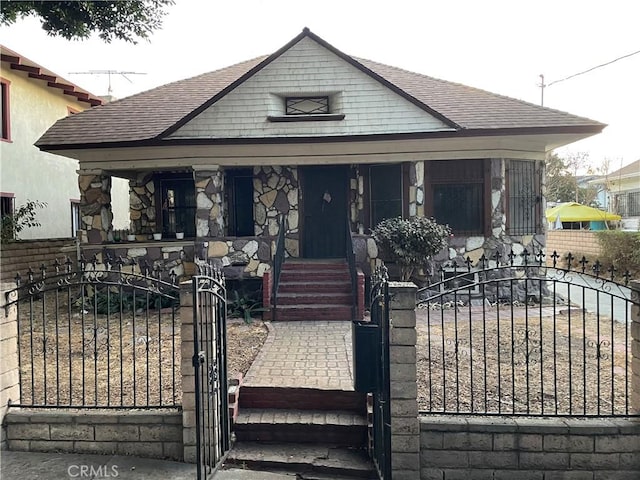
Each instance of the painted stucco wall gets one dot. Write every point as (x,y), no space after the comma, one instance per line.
(308,69)
(31,174)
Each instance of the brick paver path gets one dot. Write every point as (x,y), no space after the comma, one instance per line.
(304,354)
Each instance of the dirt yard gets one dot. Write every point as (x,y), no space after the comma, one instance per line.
(542,363)
(111,353)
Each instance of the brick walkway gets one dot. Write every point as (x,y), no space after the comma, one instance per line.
(304,354)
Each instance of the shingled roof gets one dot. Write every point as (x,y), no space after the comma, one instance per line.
(148,117)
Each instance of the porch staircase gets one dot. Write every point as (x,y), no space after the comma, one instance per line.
(314,290)
(316,434)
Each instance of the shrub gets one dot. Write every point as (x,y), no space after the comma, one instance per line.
(410,242)
(23,217)
(620,249)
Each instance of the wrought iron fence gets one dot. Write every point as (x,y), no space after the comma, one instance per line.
(515,337)
(353,269)
(100,336)
(278,260)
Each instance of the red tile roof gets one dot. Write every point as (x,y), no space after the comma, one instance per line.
(21,63)
(150,116)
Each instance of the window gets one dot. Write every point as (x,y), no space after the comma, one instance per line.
(7,207)
(75,218)
(240,202)
(627,204)
(177,206)
(306,105)
(523,186)
(5,124)
(457,191)
(385,184)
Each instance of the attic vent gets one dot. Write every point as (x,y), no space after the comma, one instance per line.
(307,105)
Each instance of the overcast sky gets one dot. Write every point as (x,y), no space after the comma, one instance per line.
(501,46)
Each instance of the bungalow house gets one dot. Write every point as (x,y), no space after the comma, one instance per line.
(623,189)
(318,142)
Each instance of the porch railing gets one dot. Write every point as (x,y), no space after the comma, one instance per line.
(353,272)
(278,260)
(515,337)
(103,336)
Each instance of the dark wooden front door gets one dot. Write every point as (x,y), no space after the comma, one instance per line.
(325,211)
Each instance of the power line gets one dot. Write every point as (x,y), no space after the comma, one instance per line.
(594,68)
(543,85)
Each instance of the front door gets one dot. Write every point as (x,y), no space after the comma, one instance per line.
(325,211)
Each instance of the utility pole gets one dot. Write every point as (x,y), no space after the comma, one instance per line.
(542,86)
(108,73)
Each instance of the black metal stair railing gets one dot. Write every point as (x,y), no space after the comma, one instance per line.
(278,260)
(353,272)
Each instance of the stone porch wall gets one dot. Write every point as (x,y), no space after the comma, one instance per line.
(152,434)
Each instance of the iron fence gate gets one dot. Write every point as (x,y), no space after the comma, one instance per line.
(104,335)
(513,336)
(379,307)
(210,363)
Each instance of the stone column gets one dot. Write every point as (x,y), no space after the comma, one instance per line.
(405,427)
(96,217)
(416,189)
(188,373)
(142,206)
(9,368)
(635,346)
(209,181)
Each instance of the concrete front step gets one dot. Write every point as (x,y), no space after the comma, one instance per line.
(315,275)
(302,286)
(341,428)
(306,298)
(302,399)
(307,461)
(313,312)
(310,264)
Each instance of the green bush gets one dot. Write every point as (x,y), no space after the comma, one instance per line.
(24,217)
(620,249)
(410,242)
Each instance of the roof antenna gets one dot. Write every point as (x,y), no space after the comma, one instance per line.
(542,87)
(108,73)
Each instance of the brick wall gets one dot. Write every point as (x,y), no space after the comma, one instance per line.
(19,256)
(583,242)
(527,448)
(150,434)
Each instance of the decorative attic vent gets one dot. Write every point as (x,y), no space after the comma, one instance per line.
(307,105)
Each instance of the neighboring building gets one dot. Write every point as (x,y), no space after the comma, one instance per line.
(33,99)
(623,188)
(332,143)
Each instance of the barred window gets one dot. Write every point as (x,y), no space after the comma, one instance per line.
(627,204)
(523,211)
(458,194)
(386,192)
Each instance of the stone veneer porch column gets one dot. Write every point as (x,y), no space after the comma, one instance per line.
(96,216)
(209,182)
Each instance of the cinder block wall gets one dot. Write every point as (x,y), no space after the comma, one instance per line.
(9,374)
(527,448)
(581,242)
(17,257)
(150,434)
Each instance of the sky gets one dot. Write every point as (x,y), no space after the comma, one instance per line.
(497,45)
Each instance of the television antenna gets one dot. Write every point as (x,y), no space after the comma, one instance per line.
(109,73)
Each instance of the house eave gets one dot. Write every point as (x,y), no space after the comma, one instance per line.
(563,135)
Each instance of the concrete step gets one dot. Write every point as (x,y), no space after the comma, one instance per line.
(306,264)
(302,286)
(301,399)
(315,275)
(306,298)
(307,461)
(341,428)
(294,313)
